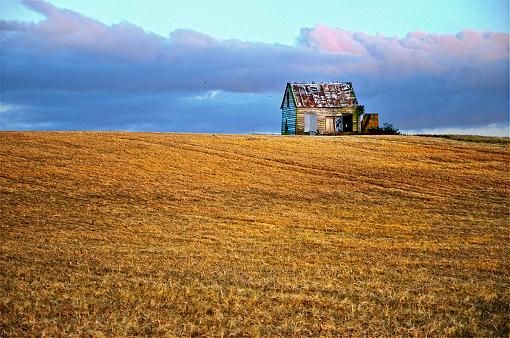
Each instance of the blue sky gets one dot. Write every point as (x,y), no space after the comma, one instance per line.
(280,21)
(172,66)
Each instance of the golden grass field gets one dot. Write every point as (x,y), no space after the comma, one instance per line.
(146,234)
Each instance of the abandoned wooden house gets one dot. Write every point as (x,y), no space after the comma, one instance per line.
(324,108)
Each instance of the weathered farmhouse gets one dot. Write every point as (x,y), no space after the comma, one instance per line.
(326,108)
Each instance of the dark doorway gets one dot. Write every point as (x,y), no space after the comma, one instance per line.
(347,123)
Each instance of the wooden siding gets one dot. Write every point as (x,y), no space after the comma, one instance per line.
(289,114)
(300,121)
(321,118)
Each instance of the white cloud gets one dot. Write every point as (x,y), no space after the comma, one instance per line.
(8,108)
(209,95)
(488,130)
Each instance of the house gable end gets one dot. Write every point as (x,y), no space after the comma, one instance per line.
(288,93)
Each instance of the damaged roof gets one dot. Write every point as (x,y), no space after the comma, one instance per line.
(323,94)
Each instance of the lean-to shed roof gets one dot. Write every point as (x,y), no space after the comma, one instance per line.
(323,94)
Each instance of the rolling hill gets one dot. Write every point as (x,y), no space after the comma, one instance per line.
(108,234)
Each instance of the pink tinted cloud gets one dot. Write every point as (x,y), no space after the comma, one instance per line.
(331,40)
(481,46)
(417,51)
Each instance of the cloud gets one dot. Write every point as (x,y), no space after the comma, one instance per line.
(417,51)
(331,40)
(109,110)
(67,30)
(500,130)
(69,71)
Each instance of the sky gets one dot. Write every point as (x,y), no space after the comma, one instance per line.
(222,66)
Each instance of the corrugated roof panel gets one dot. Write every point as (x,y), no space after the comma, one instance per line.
(324,94)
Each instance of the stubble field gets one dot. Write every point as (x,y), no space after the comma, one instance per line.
(140,234)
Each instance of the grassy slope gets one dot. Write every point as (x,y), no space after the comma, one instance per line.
(147,234)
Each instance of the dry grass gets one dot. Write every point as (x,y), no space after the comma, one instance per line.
(474,138)
(170,234)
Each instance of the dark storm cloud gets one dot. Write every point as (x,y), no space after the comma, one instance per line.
(72,72)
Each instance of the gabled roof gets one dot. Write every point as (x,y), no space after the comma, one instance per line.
(323,94)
